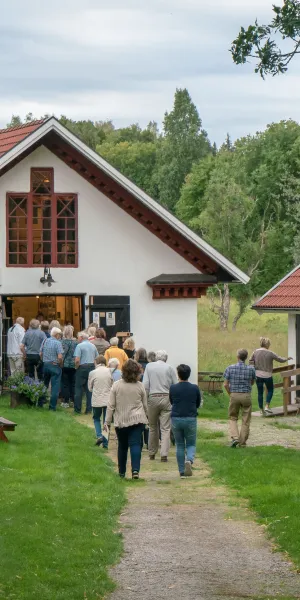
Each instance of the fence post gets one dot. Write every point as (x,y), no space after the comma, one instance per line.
(286,395)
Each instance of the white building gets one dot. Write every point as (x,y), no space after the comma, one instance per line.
(116,256)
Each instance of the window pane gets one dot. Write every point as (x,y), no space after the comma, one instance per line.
(13,259)
(41,181)
(23,259)
(47,236)
(61,259)
(71,259)
(71,223)
(13,246)
(61,223)
(61,234)
(47,259)
(71,235)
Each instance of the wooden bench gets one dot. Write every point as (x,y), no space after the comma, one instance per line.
(6,425)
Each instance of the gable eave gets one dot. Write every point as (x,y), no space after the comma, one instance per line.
(53,125)
(256,306)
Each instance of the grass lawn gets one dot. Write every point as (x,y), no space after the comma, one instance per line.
(60,502)
(217,349)
(269,477)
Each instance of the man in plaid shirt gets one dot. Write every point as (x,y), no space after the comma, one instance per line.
(239,379)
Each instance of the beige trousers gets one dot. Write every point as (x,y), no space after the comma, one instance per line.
(239,402)
(16,363)
(159,414)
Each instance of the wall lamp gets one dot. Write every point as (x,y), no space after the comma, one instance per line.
(47,277)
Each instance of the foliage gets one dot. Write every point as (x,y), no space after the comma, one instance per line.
(59,512)
(22,384)
(184,142)
(275,502)
(260,41)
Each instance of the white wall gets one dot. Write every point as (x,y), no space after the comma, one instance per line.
(117,256)
(292,345)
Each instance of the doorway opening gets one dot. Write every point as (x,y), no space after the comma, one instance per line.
(65,309)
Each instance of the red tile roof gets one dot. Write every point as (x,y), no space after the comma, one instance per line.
(285,295)
(13,135)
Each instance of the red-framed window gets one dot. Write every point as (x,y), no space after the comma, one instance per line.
(42,226)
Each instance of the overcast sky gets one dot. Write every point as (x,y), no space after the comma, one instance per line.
(123,59)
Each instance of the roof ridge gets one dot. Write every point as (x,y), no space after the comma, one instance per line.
(24,125)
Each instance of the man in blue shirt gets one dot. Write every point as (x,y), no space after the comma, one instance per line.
(185,399)
(85,355)
(52,356)
(239,379)
(31,345)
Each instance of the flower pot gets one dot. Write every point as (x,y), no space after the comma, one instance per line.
(17,399)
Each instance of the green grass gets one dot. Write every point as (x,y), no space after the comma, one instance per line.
(217,349)
(216,406)
(269,477)
(285,426)
(59,506)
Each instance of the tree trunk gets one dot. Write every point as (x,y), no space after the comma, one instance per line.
(223,308)
(242,307)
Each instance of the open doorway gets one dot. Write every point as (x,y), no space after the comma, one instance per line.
(66,309)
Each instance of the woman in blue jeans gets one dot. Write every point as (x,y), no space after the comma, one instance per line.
(185,399)
(128,405)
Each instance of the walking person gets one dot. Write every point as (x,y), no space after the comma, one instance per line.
(115,352)
(185,399)
(114,364)
(142,359)
(52,357)
(31,346)
(45,328)
(262,360)
(69,344)
(100,383)
(158,378)
(85,355)
(239,379)
(151,356)
(128,406)
(15,337)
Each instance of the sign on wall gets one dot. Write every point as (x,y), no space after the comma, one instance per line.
(110,319)
(96,318)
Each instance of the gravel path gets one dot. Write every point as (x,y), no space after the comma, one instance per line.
(186,539)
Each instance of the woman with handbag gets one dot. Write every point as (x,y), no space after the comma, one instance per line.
(69,344)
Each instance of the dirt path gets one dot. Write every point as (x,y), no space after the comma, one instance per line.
(263,432)
(191,540)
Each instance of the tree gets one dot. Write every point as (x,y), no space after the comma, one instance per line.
(184,142)
(258,41)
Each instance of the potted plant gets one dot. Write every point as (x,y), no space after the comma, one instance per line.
(25,390)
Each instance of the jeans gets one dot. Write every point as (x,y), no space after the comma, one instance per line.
(52,373)
(185,433)
(129,437)
(81,385)
(33,360)
(97,412)
(145,437)
(268,382)
(68,384)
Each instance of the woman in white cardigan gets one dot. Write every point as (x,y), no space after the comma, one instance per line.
(100,383)
(128,405)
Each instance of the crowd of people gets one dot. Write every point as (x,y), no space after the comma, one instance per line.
(145,398)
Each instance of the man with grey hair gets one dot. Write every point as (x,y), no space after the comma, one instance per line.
(158,378)
(31,346)
(14,340)
(85,355)
(239,379)
(52,357)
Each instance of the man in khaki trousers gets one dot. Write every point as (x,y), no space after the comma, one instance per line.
(158,378)
(239,379)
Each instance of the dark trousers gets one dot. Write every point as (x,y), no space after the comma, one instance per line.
(81,386)
(52,373)
(129,437)
(268,382)
(32,361)
(68,384)
(145,436)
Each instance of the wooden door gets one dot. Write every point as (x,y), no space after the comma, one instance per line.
(113,313)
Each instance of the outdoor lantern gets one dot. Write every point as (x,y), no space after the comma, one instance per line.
(47,277)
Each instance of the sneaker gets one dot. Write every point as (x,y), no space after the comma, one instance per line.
(188,468)
(262,412)
(152,456)
(122,475)
(164,459)
(99,441)
(182,476)
(234,443)
(135,475)
(268,411)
